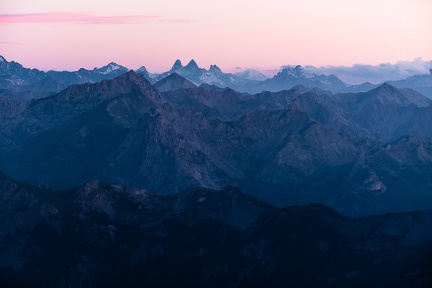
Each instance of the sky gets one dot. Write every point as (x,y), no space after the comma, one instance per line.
(263,35)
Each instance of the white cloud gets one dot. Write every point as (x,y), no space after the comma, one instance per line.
(359,73)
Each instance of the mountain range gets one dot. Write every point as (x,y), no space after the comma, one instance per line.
(21,83)
(372,148)
(99,235)
(114,177)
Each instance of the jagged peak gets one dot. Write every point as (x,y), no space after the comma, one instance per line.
(192,65)
(2,59)
(177,65)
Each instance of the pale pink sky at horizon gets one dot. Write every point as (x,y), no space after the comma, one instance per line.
(264,35)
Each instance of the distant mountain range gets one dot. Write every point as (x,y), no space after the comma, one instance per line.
(106,235)
(360,153)
(22,83)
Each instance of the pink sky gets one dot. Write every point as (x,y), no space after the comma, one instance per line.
(67,35)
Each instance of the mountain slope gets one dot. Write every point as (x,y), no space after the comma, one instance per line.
(386,111)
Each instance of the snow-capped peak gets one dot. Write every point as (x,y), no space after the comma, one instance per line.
(251,74)
(110,68)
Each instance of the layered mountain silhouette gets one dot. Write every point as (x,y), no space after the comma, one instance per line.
(110,235)
(173,148)
(292,147)
(16,79)
(24,84)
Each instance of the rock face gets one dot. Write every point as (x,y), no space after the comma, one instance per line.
(110,235)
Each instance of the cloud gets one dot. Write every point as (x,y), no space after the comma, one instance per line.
(359,73)
(11,43)
(82,18)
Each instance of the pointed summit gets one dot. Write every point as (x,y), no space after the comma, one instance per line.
(192,65)
(2,59)
(177,65)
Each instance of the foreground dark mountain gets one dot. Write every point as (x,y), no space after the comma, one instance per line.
(108,235)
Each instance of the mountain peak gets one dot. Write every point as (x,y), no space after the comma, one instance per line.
(215,69)
(192,65)
(110,67)
(177,65)
(386,87)
(173,81)
(112,64)
(142,69)
(132,77)
(2,59)
(252,74)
